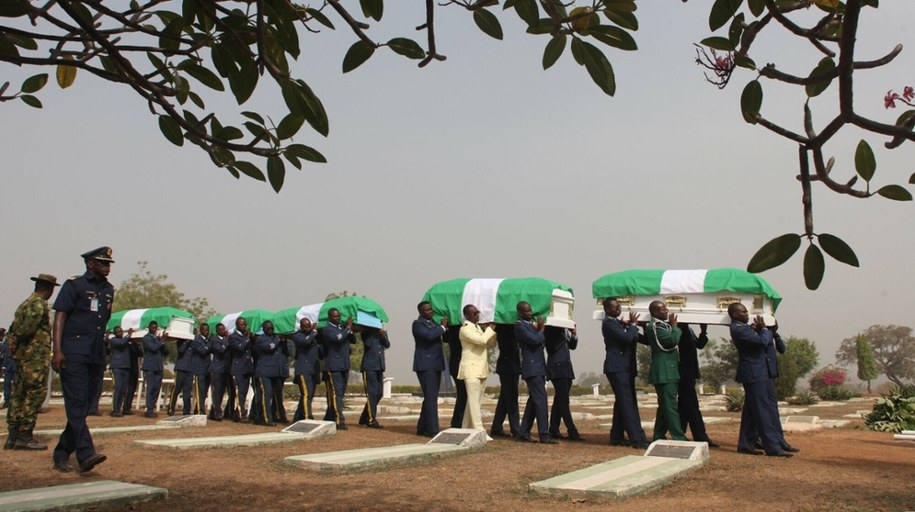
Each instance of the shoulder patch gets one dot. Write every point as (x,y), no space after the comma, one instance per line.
(74,277)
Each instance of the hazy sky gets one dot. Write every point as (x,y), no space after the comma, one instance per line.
(480,166)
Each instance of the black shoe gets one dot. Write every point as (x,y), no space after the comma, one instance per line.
(780,454)
(788,448)
(93,460)
(548,440)
(374,424)
(557,435)
(576,437)
(150,414)
(127,412)
(624,442)
(521,438)
(364,423)
(498,433)
(749,451)
(425,434)
(342,426)
(713,444)
(95,413)
(63,466)
(115,414)
(271,424)
(757,444)
(641,446)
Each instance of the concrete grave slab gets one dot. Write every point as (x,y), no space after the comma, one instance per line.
(687,450)
(833,423)
(627,476)
(371,458)
(111,430)
(312,429)
(801,423)
(785,411)
(188,420)
(802,419)
(392,409)
(713,420)
(464,437)
(224,441)
(908,432)
(103,493)
(904,437)
(824,403)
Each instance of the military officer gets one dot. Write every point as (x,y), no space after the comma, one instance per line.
(184,379)
(335,341)
(30,346)
(135,352)
(508,368)
(620,338)
(428,363)
(559,342)
(307,368)
(82,310)
(154,352)
(453,338)
(267,374)
(374,342)
(242,368)
(531,340)
(200,369)
(219,366)
(687,400)
(663,336)
(120,369)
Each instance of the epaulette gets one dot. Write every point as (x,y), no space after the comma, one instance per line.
(74,277)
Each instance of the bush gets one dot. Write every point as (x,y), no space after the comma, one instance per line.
(735,401)
(826,377)
(836,393)
(893,411)
(804,398)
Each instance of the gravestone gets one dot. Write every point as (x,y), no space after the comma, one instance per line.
(464,437)
(802,419)
(386,385)
(188,420)
(627,476)
(312,429)
(687,450)
(595,389)
(103,493)
(374,458)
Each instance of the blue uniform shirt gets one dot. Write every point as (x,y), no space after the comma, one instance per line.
(87,302)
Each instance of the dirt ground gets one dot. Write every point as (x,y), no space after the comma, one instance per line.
(838,469)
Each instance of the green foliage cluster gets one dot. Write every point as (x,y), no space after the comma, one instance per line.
(720,366)
(803,398)
(735,400)
(837,393)
(143,289)
(800,357)
(867,366)
(893,411)
(892,348)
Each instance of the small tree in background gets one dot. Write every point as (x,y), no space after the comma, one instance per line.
(799,359)
(721,362)
(867,367)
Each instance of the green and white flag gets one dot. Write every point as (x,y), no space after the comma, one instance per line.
(254,318)
(666,282)
(139,319)
(495,298)
(363,311)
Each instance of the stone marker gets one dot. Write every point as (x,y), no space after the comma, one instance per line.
(904,436)
(595,389)
(802,419)
(224,441)
(688,450)
(311,429)
(386,385)
(366,458)
(620,478)
(188,420)
(103,493)
(464,437)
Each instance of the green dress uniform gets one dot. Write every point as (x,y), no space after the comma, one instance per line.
(664,374)
(30,340)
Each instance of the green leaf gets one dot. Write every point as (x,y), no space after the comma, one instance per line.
(912,179)
(22,41)
(171,130)
(895,192)
(865,162)
(527,10)
(66,75)
(13,9)
(614,36)
(372,9)
(289,126)
(553,51)
(751,101)
(406,47)
(34,83)
(819,74)
(488,23)
(744,62)
(721,13)
(736,29)
(718,43)
(30,100)
(276,172)
(293,160)
(202,75)
(838,249)
(358,53)
(254,116)
(597,65)
(626,20)
(774,253)
(314,110)
(250,170)
(306,153)
(196,99)
(320,17)
(543,26)
(243,83)
(756,7)
(814,267)
(229,133)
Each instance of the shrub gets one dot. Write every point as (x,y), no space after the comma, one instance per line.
(803,398)
(836,393)
(825,377)
(735,401)
(893,411)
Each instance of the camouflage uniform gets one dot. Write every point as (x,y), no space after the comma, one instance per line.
(30,345)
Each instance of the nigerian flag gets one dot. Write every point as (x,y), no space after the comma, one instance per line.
(363,311)
(495,298)
(664,282)
(139,319)
(254,318)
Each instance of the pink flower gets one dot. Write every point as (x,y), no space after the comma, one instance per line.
(723,62)
(908,93)
(889,101)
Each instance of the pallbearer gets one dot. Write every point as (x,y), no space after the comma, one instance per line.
(374,342)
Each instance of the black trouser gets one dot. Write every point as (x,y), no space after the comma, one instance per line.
(535,407)
(688,406)
(241,383)
(625,409)
(218,389)
(460,403)
(200,385)
(307,385)
(153,387)
(560,410)
(372,383)
(335,382)
(133,381)
(184,384)
(507,404)
(279,408)
(429,382)
(121,387)
(80,381)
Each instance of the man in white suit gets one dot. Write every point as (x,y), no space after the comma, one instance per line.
(476,340)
